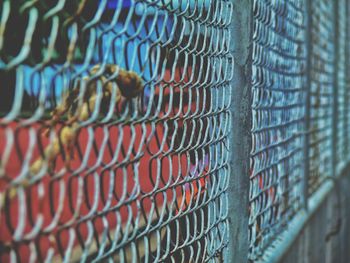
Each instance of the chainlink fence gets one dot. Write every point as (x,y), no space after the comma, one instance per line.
(116,117)
(278,84)
(114,122)
(322,72)
(300,110)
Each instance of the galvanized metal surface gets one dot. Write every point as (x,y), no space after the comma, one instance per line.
(240,136)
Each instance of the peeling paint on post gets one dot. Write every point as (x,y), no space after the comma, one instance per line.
(240,139)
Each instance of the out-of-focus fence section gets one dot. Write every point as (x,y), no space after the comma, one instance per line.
(300,116)
(278,84)
(321,91)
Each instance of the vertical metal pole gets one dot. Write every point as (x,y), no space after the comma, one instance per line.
(307,99)
(335,88)
(347,86)
(240,138)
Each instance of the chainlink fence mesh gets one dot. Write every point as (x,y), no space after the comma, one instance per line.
(115,120)
(321,91)
(113,126)
(278,84)
(300,92)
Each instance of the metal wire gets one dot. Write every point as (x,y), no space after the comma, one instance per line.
(278,83)
(113,126)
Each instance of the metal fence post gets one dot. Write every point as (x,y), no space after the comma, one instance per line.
(240,139)
(335,89)
(347,79)
(308,23)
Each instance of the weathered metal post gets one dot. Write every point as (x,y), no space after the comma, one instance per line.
(335,89)
(308,39)
(347,81)
(240,139)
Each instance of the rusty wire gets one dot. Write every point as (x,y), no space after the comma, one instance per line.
(127,172)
